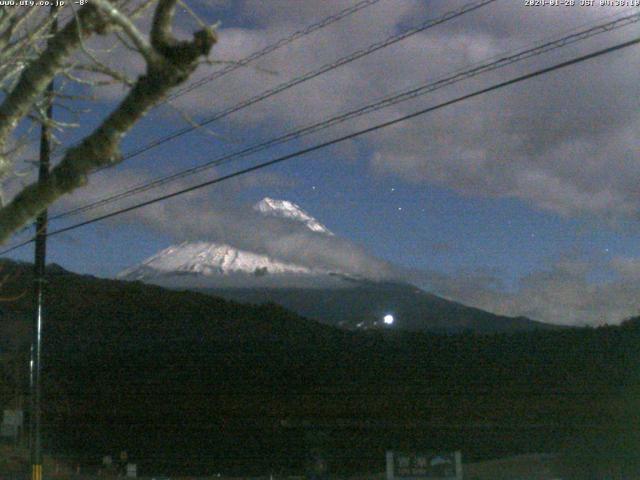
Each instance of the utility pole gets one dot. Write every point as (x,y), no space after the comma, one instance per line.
(39,280)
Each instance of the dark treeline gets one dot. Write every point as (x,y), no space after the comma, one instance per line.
(188,383)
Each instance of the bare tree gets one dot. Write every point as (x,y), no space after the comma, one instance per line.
(31,56)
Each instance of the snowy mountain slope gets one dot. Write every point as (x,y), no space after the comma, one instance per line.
(286,209)
(336,298)
(216,263)
(207,259)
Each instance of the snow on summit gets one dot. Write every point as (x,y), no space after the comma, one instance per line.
(209,259)
(205,258)
(286,209)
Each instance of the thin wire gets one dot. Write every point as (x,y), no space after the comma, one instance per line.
(311,75)
(325,22)
(383,103)
(469,7)
(350,136)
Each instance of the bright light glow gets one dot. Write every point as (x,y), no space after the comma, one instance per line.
(388,319)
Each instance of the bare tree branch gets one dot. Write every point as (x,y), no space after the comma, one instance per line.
(140,42)
(171,64)
(140,9)
(38,74)
(102,69)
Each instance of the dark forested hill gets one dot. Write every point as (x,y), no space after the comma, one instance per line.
(364,304)
(190,383)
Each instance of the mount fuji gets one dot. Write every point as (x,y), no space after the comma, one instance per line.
(335,297)
(210,264)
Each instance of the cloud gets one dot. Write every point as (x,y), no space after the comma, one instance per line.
(564,143)
(561,293)
(564,292)
(627,268)
(217,215)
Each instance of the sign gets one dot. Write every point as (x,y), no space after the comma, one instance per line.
(132,470)
(424,465)
(13,417)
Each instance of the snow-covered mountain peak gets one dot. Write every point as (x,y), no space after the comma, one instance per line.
(286,209)
(216,264)
(205,258)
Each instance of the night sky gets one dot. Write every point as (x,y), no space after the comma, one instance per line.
(523,201)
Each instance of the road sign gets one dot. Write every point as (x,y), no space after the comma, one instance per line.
(424,466)
(132,470)
(13,417)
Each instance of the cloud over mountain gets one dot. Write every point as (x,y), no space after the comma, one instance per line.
(216,215)
(564,143)
(561,292)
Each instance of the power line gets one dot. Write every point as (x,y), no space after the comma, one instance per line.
(343,138)
(313,74)
(309,75)
(243,62)
(325,22)
(378,105)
